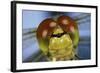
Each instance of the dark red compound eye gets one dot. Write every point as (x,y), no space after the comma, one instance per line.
(45,28)
(66,23)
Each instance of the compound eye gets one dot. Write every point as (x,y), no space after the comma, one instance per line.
(65,22)
(45,29)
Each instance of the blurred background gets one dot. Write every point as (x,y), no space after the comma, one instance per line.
(31,20)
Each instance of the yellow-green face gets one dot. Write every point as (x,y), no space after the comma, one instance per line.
(60,47)
(60,43)
(57,30)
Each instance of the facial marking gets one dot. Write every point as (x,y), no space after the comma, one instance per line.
(72,29)
(52,24)
(65,22)
(44,34)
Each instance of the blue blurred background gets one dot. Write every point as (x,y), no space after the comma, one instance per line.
(31,19)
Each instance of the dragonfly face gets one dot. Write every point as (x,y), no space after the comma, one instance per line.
(58,39)
(60,45)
